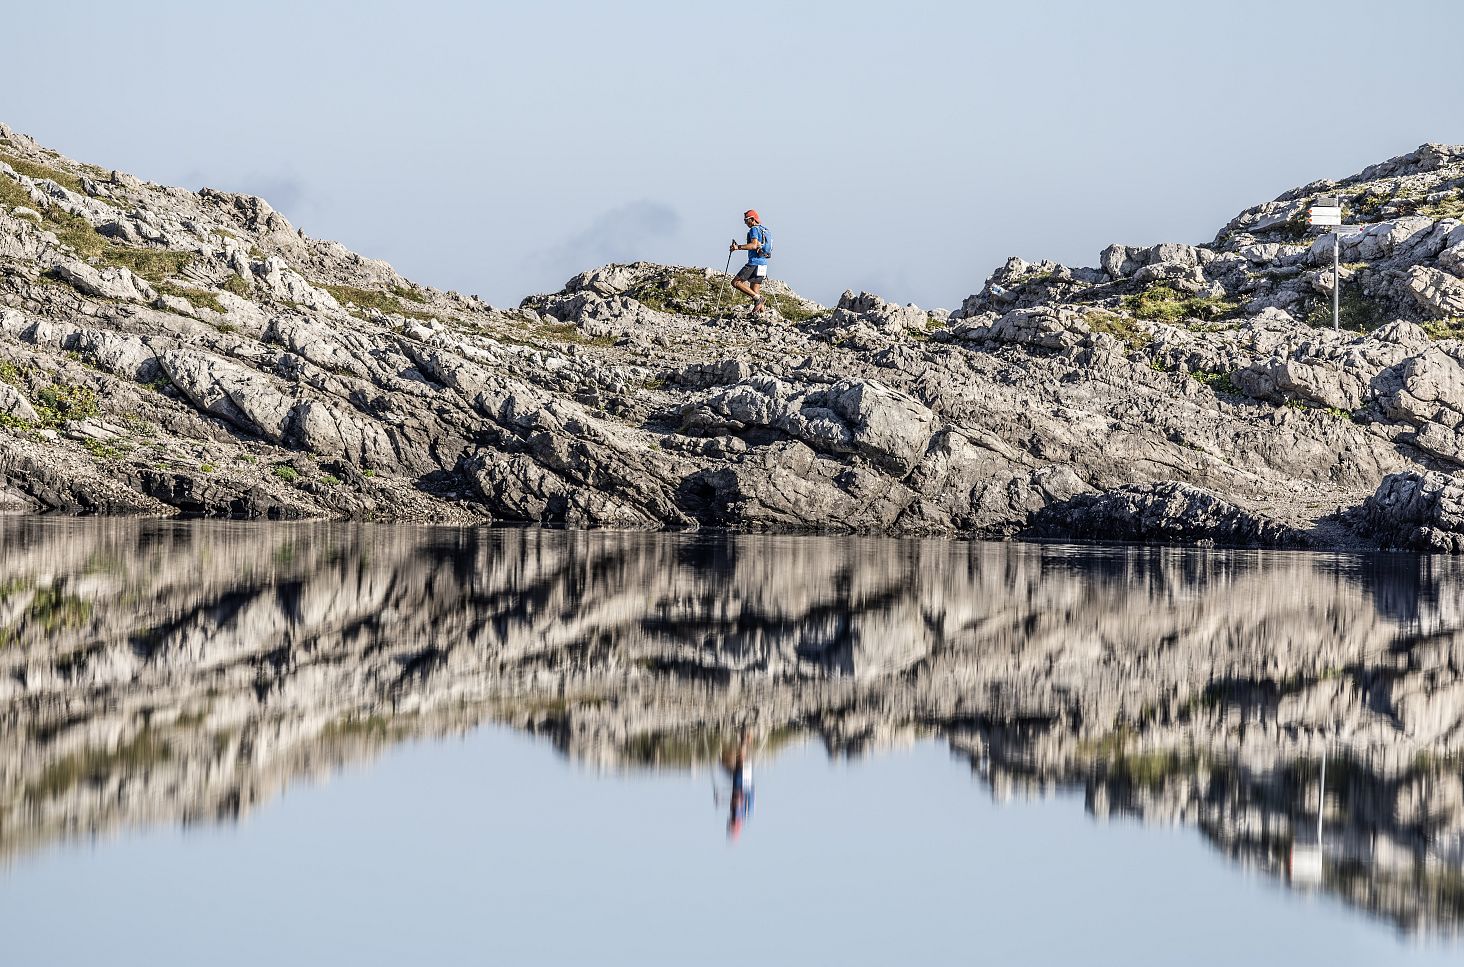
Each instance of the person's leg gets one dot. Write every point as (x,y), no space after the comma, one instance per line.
(741,280)
(756,292)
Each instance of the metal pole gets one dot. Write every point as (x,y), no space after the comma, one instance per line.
(1321,797)
(1336,296)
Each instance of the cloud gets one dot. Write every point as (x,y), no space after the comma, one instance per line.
(622,234)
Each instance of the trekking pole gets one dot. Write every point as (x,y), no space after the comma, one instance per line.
(726,286)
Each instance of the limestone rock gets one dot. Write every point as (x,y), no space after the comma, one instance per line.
(112,282)
(1439,292)
(1167,511)
(1417,511)
(14,404)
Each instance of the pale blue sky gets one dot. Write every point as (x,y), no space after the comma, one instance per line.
(907,148)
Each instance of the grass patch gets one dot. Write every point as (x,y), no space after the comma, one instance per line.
(1450,206)
(236,284)
(1217,380)
(569,332)
(371,299)
(13,586)
(55,404)
(285,472)
(1450,328)
(686,292)
(92,766)
(1119,326)
(153,264)
(1163,303)
(104,451)
(402,292)
(1357,312)
(54,610)
(198,299)
(32,169)
(792,309)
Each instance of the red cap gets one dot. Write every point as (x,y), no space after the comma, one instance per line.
(751,213)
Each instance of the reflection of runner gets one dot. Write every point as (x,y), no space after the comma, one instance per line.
(737,761)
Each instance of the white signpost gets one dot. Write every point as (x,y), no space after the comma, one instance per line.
(1327,213)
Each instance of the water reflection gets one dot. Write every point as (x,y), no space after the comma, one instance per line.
(166,672)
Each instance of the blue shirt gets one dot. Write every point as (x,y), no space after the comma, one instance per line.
(759,235)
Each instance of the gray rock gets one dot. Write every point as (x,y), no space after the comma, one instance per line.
(1416,511)
(111,282)
(1166,511)
(1440,293)
(14,404)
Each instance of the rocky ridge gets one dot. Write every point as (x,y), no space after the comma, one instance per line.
(166,351)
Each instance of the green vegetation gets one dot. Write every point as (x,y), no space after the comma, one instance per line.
(1218,381)
(105,451)
(237,285)
(206,468)
(1450,328)
(687,292)
(569,332)
(371,299)
(691,292)
(1367,204)
(411,295)
(1358,313)
(154,265)
(199,299)
(1149,769)
(13,586)
(371,727)
(32,169)
(330,480)
(92,766)
(1115,325)
(285,472)
(54,610)
(1449,206)
(792,309)
(684,748)
(55,404)
(8,372)
(1163,303)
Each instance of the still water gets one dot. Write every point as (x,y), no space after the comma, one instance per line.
(225,743)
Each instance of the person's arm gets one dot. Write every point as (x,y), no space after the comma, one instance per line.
(752,243)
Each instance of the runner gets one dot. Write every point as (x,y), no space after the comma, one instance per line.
(759,248)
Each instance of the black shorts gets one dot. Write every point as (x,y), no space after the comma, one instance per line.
(753,273)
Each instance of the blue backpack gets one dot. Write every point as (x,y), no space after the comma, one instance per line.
(765,250)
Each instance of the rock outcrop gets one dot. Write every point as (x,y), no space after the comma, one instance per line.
(248,369)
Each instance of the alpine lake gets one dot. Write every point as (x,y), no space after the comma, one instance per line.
(247,743)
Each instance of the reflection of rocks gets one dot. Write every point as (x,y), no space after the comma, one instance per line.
(157,671)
